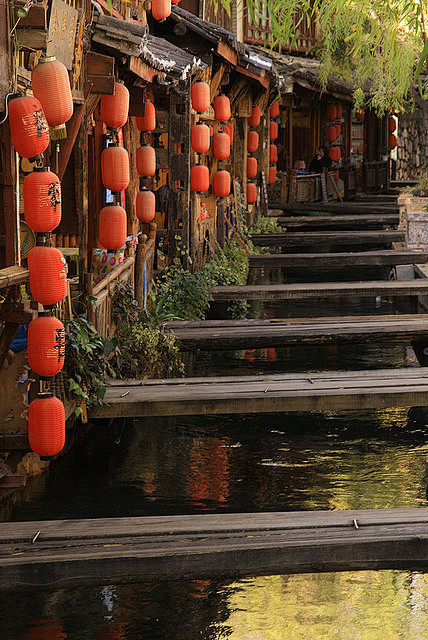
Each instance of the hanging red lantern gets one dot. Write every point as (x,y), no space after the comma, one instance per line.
(222,183)
(175,1)
(335,154)
(161,9)
(338,110)
(274,110)
(147,122)
(221,108)
(46,345)
(28,126)
(146,161)
(331,134)
(145,205)
(221,145)
(115,168)
(229,130)
(273,153)
(252,141)
(251,167)
(392,141)
(331,112)
(42,200)
(338,131)
(51,85)
(48,275)
(273,130)
(200,178)
(114,109)
(200,95)
(254,119)
(392,125)
(200,137)
(272,175)
(112,227)
(46,425)
(251,193)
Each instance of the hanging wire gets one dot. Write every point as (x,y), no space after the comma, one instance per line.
(6,108)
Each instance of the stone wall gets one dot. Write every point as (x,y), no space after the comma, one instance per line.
(412,149)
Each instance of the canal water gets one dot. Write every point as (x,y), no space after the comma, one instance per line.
(185,465)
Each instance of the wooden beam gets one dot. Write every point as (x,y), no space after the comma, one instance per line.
(81,191)
(350,208)
(227,53)
(13,275)
(67,145)
(10,178)
(216,81)
(339,221)
(137,66)
(315,238)
(339,259)
(264,80)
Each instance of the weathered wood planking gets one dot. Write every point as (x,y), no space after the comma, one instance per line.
(325,391)
(123,550)
(296,291)
(350,208)
(311,238)
(338,221)
(340,259)
(219,335)
(13,275)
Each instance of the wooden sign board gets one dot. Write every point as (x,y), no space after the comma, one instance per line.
(62,32)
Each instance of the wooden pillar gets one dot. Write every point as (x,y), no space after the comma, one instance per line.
(140,260)
(10,184)
(96,190)
(81,190)
(131,139)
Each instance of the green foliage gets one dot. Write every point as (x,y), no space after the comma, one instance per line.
(265,224)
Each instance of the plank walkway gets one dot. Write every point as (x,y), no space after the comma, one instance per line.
(340,259)
(219,335)
(339,221)
(311,238)
(350,208)
(299,291)
(325,391)
(122,550)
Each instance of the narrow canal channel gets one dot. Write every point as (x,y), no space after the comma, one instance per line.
(346,460)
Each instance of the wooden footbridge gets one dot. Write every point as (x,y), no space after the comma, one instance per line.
(385,257)
(64,553)
(316,238)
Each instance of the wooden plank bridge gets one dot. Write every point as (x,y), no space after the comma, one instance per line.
(64,553)
(323,391)
(383,257)
(317,238)
(345,208)
(219,335)
(339,221)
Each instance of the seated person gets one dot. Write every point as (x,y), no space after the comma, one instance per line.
(320,161)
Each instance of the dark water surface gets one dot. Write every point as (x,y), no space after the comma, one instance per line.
(346,460)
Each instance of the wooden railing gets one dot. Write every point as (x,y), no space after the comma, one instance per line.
(259,31)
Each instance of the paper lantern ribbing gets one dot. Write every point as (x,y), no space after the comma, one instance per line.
(28,126)
(274,110)
(146,161)
(273,153)
(42,200)
(335,154)
(392,125)
(392,141)
(222,183)
(331,134)
(51,85)
(115,168)
(161,9)
(252,141)
(251,193)
(200,137)
(112,227)
(254,119)
(221,145)
(200,178)
(46,346)
(272,175)
(48,275)
(200,96)
(145,205)
(114,109)
(46,425)
(273,130)
(251,167)
(147,122)
(221,108)
(331,112)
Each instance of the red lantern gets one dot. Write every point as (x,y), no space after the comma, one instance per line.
(251,167)
(338,131)
(112,227)
(254,119)
(115,168)
(200,136)
(251,193)
(392,125)
(221,145)
(331,112)
(161,9)
(42,200)
(252,141)
(273,153)
(147,122)
(222,108)
(331,134)
(222,183)
(273,130)
(145,205)
(200,95)
(146,160)
(46,346)
(51,86)
(392,141)
(272,175)
(338,110)
(48,275)
(229,130)
(46,425)
(175,1)
(274,110)
(28,126)
(334,154)
(114,109)
(200,178)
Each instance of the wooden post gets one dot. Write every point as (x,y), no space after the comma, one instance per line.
(88,288)
(131,137)
(81,189)
(10,183)
(140,260)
